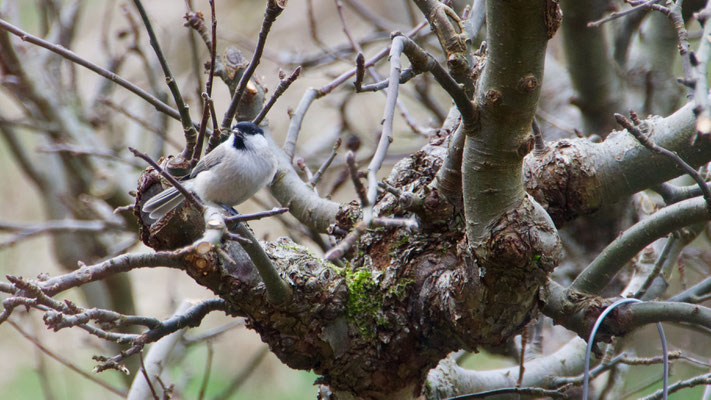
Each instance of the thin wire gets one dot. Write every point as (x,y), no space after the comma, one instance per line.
(591,341)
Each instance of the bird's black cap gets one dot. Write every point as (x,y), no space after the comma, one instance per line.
(248,128)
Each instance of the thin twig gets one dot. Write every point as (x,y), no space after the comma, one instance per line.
(197,150)
(208,106)
(695,381)
(373,73)
(67,363)
(530,391)
(620,14)
(258,215)
(698,76)
(212,334)
(405,76)
(646,142)
(386,136)
(75,58)
(274,8)
(312,94)
(248,369)
(361,227)
(355,177)
(76,150)
(191,317)
(521,367)
(27,231)
(135,118)
(334,151)
(284,84)
(186,193)
(145,376)
(208,369)
(190,132)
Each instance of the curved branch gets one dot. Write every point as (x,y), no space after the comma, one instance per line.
(303,203)
(640,314)
(577,176)
(190,318)
(449,379)
(122,263)
(601,271)
(75,58)
(273,10)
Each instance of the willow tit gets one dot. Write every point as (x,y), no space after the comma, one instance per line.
(230,174)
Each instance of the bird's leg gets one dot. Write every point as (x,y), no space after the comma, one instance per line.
(230,210)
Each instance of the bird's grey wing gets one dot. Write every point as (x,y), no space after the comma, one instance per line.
(159,205)
(209,161)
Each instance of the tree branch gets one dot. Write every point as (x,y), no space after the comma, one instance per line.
(606,265)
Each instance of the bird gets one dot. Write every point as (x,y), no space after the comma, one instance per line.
(227,176)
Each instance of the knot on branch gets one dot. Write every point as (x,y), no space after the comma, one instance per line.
(180,227)
(563,181)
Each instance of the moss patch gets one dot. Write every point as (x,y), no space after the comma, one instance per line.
(364,301)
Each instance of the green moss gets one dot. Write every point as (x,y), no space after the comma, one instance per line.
(400,289)
(364,301)
(340,271)
(295,248)
(403,239)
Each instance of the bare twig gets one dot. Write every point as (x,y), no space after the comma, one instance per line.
(122,263)
(623,13)
(361,227)
(133,117)
(317,176)
(522,356)
(212,334)
(699,62)
(75,58)
(197,150)
(386,137)
(67,363)
(208,106)
(373,73)
(530,391)
(145,376)
(248,369)
(192,317)
(312,94)
(208,368)
(370,16)
(274,8)
(187,194)
(30,230)
(646,142)
(355,177)
(190,132)
(405,76)
(259,215)
(281,88)
(691,382)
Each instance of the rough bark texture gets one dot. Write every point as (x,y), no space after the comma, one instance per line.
(403,301)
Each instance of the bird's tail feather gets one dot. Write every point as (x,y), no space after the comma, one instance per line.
(159,205)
